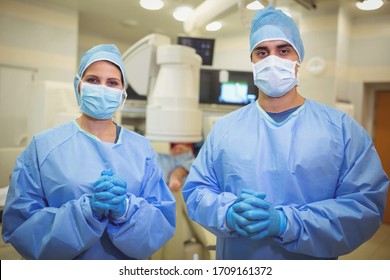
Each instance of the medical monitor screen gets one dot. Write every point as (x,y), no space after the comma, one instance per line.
(235,93)
(204,47)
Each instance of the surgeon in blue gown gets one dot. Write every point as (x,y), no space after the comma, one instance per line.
(285,177)
(90,189)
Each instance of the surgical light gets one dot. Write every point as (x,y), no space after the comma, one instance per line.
(369,5)
(255,5)
(214,26)
(151,4)
(182,13)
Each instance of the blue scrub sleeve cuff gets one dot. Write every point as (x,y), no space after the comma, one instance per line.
(281,237)
(283,222)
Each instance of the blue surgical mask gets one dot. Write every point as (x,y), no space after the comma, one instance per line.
(99,101)
(275,76)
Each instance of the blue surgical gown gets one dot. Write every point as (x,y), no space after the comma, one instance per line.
(319,166)
(47,213)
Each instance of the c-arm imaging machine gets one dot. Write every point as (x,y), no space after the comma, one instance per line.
(169,76)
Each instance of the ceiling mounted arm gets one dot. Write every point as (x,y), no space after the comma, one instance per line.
(308,4)
(206,12)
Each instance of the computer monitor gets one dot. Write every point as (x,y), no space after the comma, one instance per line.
(235,93)
(203,46)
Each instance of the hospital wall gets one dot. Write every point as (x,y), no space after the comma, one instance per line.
(39,37)
(36,43)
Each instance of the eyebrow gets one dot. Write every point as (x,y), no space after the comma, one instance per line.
(97,77)
(91,76)
(283,46)
(278,46)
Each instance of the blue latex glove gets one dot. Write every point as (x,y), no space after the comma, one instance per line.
(278,222)
(118,207)
(113,184)
(107,203)
(109,197)
(235,222)
(273,226)
(98,210)
(234,218)
(117,204)
(108,175)
(264,220)
(107,172)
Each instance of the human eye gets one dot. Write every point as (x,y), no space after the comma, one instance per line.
(285,51)
(114,83)
(92,80)
(262,53)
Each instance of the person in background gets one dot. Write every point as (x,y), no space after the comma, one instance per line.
(189,241)
(176,165)
(90,189)
(285,177)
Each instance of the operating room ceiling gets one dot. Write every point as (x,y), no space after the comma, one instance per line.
(126,21)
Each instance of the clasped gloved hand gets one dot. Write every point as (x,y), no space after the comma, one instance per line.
(109,196)
(252,216)
(236,218)
(99,209)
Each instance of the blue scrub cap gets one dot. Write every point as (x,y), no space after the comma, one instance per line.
(106,52)
(269,24)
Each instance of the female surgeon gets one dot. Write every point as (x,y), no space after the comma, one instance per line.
(90,189)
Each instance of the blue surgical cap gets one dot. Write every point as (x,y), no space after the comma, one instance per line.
(106,52)
(269,24)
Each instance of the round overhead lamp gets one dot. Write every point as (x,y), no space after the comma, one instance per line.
(214,26)
(255,5)
(151,4)
(369,5)
(182,13)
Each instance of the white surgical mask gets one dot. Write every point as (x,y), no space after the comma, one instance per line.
(275,76)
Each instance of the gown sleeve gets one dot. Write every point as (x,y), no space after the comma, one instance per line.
(336,226)
(150,219)
(206,202)
(39,231)
(62,233)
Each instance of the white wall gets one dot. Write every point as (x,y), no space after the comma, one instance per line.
(319,35)
(232,53)
(369,61)
(44,38)
(36,43)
